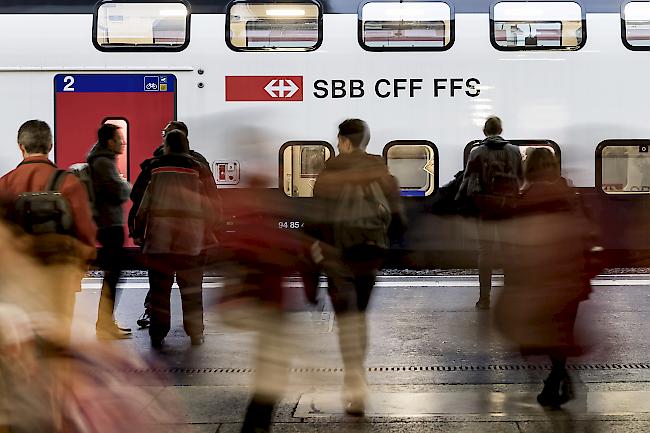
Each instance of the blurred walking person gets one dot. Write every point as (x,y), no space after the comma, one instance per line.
(111,191)
(538,306)
(361,210)
(491,181)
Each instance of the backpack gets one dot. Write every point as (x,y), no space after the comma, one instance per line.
(46,216)
(82,171)
(499,186)
(362,216)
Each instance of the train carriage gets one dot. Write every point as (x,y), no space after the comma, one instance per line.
(263,84)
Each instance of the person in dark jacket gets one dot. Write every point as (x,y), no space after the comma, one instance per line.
(138,191)
(111,192)
(362,250)
(477,181)
(174,223)
(538,306)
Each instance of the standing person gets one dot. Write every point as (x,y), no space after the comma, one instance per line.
(173,223)
(64,255)
(538,306)
(111,192)
(138,191)
(491,180)
(362,208)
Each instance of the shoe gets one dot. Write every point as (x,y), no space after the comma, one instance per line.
(355,407)
(550,395)
(197,340)
(112,332)
(144,321)
(156,343)
(127,330)
(483,304)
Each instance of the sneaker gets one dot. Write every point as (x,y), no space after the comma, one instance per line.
(483,304)
(197,340)
(144,321)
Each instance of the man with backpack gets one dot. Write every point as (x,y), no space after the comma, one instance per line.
(50,207)
(138,192)
(361,210)
(491,181)
(111,191)
(173,223)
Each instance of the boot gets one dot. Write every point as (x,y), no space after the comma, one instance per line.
(550,395)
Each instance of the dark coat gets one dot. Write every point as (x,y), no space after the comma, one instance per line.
(545,278)
(111,191)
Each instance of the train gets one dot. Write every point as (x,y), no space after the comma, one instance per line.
(262,86)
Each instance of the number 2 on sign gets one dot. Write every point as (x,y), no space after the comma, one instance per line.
(69,83)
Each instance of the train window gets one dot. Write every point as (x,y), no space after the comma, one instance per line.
(141,26)
(300,164)
(415,165)
(537,25)
(278,26)
(525,147)
(635,22)
(412,26)
(623,167)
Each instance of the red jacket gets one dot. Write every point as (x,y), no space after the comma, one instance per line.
(34,177)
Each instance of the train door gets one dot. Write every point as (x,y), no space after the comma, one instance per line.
(141,105)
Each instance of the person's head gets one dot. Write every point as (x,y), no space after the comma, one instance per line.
(541,166)
(176,142)
(34,138)
(354,134)
(492,126)
(175,124)
(110,137)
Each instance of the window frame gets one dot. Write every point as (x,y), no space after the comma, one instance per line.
(519,143)
(614,142)
(230,45)
(135,48)
(452,29)
(298,143)
(583,16)
(436,163)
(624,29)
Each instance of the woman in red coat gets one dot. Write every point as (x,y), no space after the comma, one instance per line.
(546,277)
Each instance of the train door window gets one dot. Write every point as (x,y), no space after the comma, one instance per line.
(537,25)
(635,21)
(300,165)
(122,162)
(415,165)
(412,26)
(279,26)
(525,147)
(141,26)
(623,167)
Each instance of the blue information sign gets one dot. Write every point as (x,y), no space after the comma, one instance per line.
(88,83)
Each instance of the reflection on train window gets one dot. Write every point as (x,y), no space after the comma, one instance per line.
(144,26)
(414,164)
(281,26)
(392,26)
(636,25)
(525,148)
(300,165)
(625,169)
(536,25)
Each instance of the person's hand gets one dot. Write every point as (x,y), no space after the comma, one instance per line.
(316,252)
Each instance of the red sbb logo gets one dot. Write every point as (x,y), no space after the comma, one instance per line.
(264,88)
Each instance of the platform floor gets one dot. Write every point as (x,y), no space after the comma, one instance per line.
(434,363)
